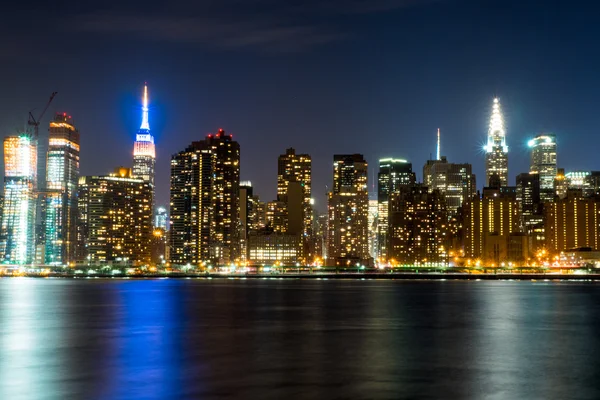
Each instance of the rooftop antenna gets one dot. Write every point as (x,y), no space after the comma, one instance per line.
(438,145)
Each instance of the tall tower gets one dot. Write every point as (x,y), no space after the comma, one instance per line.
(144,154)
(62,175)
(543,163)
(349,211)
(204,206)
(496,150)
(293,173)
(18,219)
(393,174)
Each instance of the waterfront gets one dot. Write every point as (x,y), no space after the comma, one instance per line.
(199,338)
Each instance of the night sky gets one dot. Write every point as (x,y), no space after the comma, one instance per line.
(375,77)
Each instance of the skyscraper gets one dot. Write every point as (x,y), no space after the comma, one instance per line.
(292,167)
(204,214)
(456,182)
(393,174)
(543,163)
(18,220)
(62,175)
(496,150)
(144,154)
(191,205)
(348,211)
(115,218)
(418,227)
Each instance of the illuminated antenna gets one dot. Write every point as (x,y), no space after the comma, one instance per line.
(438,145)
(145,125)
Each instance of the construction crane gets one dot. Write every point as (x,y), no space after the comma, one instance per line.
(35,123)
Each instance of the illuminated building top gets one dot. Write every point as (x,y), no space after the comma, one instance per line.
(145,125)
(144,141)
(144,151)
(496,132)
(496,150)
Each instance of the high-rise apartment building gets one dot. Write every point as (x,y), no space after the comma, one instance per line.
(393,174)
(204,206)
(496,150)
(62,176)
(488,223)
(115,218)
(572,222)
(292,167)
(144,152)
(18,219)
(418,227)
(543,163)
(348,211)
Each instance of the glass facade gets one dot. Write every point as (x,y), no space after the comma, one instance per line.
(62,175)
(18,220)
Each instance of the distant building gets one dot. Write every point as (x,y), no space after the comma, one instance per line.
(489,220)
(204,206)
(268,248)
(321,237)
(543,163)
(348,211)
(373,227)
(18,219)
(115,213)
(588,182)
(561,184)
(62,177)
(496,150)
(531,209)
(161,219)
(250,216)
(455,182)
(393,174)
(418,227)
(573,222)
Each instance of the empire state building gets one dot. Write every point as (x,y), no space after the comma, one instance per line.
(144,154)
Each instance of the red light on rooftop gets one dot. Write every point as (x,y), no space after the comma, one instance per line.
(64,114)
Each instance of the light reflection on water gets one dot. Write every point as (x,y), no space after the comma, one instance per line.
(144,339)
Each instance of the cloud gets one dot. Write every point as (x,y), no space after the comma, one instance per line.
(265,34)
(271,25)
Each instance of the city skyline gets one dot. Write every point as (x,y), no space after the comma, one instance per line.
(427,70)
(475,157)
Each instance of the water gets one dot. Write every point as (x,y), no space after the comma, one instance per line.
(305,339)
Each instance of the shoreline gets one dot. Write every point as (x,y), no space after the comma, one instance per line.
(339,276)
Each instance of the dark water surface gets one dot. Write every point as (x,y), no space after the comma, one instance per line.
(307,339)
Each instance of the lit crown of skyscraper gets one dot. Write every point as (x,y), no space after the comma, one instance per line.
(496,133)
(144,141)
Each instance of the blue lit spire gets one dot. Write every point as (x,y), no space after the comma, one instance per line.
(145,125)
